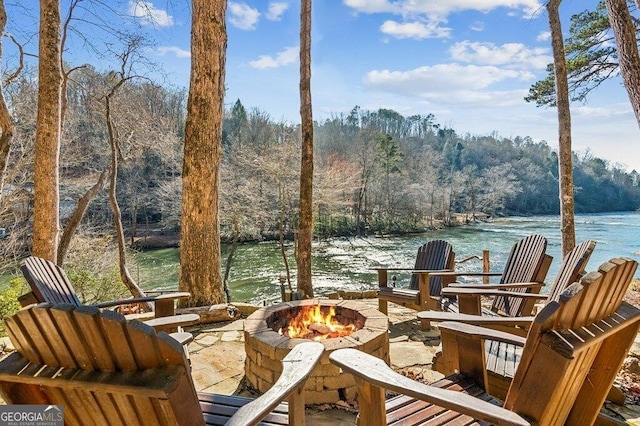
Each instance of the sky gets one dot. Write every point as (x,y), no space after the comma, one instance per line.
(470,63)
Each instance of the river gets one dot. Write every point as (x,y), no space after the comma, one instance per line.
(346,263)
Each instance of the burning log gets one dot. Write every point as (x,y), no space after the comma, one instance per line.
(312,323)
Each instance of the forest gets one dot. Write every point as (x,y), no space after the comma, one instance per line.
(376,172)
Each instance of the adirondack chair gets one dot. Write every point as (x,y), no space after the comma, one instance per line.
(436,255)
(526,265)
(502,357)
(104,369)
(469,295)
(571,356)
(49,283)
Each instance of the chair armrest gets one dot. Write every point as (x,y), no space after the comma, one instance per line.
(383,273)
(374,371)
(386,268)
(171,322)
(161,297)
(480,333)
(296,368)
(467,274)
(27,299)
(496,286)
(480,292)
(487,322)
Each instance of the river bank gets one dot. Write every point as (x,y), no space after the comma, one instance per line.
(151,238)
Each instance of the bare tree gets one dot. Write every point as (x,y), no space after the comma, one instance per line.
(564,129)
(305,230)
(6,128)
(200,239)
(625,33)
(119,78)
(47,151)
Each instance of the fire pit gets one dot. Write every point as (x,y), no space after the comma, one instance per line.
(269,336)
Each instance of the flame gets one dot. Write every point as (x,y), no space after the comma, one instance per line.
(311,323)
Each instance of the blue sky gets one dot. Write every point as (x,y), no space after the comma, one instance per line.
(468,62)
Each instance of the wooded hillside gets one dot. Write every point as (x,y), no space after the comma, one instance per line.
(375,171)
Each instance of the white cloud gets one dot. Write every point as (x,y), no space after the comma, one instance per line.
(479,99)
(441,78)
(477,26)
(513,54)
(440,8)
(149,15)
(276,9)
(544,36)
(286,57)
(175,50)
(416,30)
(243,16)
(372,6)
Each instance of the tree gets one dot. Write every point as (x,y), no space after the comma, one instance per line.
(47,150)
(200,255)
(6,127)
(500,185)
(564,129)
(305,230)
(388,156)
(629,59)
(591,58)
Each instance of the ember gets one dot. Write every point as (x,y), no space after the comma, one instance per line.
(311,323)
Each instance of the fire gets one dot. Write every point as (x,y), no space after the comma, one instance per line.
(311,323)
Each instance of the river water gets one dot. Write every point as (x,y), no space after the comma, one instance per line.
(346,264)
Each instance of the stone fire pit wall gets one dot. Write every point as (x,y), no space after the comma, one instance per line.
(265,348)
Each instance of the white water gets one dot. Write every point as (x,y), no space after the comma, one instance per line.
(345,263)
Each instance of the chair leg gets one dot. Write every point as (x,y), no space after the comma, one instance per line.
(383,306)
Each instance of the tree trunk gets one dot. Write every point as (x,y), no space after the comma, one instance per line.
(565,161)
(125,276)
(305,234)
(232,252)
(281,223)
(6,127)
(47,148)
(200,257)
(628,58)
(78,214)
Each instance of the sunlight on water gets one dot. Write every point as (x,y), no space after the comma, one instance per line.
(346,263)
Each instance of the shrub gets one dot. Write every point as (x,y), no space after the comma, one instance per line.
(9,304)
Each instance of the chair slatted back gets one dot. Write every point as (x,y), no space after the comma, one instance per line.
(123,372)
(48,282)
(575,348)
(434,255)
(572,269)
(523,265)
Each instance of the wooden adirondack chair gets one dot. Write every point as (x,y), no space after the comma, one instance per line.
(50,284)
(571,356)
(106,370)
(526,265)
(502,357)
(436,255)
(469,295)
